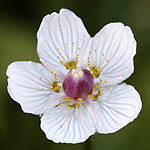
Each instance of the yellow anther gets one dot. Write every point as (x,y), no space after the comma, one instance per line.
(95,71)
(107,60)
(79,99)
(66,98)
(40,78)
(88,57)
(57,89)
(58,57)
(76,106)
(60,105)
(70,65)
(54,75)
(73,43)
(51,72)
(95,50)
(65,44)
(94,86)
(60,100)
(105,81)
(42,89)
(78,48)
(55,86)
(69,108)
(95,97)
(41,70)
(97,83)
(88,64)
(61,62)
(77,54)
(89,52)
(62,97)
(57,49)
(101,81)
(102,54)
(89,95)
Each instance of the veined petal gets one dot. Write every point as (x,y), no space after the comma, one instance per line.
(67,126)
(113,50)
(29,84)
(62,38)
(118,106)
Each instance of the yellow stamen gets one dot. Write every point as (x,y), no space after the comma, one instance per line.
(97,83)
(94,87)
(79,99)
(95,71)
(70,65)
(55,86)
(57,89)
(89,95)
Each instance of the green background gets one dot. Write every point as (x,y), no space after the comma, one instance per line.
(19,22)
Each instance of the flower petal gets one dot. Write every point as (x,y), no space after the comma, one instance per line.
(67,126)
(60,38)
(119,105)
(29,85)
(113,50)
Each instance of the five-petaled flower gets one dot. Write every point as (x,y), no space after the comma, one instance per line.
(77,89)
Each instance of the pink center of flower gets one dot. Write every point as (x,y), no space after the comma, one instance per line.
(78,83)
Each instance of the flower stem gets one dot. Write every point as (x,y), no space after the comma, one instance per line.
(88,145)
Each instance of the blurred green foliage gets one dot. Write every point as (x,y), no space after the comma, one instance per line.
(19,22)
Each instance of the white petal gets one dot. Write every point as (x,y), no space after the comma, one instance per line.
(115,48)
(67,126)
(61,35)
(29,85)
(119,105)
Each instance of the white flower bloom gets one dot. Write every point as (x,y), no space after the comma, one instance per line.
(77,87)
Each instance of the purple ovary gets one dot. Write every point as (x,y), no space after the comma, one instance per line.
(78,86)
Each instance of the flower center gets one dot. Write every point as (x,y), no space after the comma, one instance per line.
(78,83)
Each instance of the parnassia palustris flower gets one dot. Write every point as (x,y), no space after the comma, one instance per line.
(77,88)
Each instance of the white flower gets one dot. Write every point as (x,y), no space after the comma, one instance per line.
(77,87)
